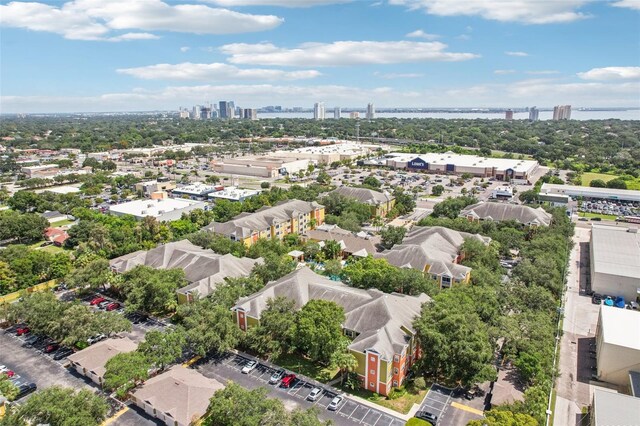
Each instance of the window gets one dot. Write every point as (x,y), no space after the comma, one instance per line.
(396,358)
(372,359)
(372,371)
(395,371)
(395,383)
(371,385)
(446,281)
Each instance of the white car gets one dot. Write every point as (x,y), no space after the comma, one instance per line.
(335,402)
(314,394)
(249,366)
(96,339)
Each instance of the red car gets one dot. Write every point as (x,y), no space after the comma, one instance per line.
(10,373)
(22,330)
(51,347)
(288,380)
(112,306)
(97,300)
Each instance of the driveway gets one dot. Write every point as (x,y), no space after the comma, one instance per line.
(227,367)
(451,409)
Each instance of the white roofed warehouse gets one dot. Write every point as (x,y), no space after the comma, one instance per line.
(617,345)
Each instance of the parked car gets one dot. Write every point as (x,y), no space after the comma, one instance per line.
(63,352)
(249,367)
(112,306)
(96,339)
(104,304)
(51,347)
(276,377)
(314,394)
(22,330)
(97,300)
(425,415)
(33,340)
(9,373)
(596,300)
(26,389)
(335,403)
(287,380)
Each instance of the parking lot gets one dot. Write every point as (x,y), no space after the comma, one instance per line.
(451,409)
(227,367)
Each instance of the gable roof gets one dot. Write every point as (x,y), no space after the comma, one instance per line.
(95,357)
(500,212)
(180,393)
(244,224)
(203,268)
(384,322)
(348,241)
(363,195)
(436,246)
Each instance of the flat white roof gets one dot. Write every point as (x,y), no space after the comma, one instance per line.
(587,191)
(67,189)
(233,193)
(154,208)
(616,251)
(198,188)
(620,327)
(463,160)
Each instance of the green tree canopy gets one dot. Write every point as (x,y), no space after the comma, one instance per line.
(319,329)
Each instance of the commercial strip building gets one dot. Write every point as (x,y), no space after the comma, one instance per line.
(196,191)
(178,397)
(588,192)
(500,212)
(618,346)
(380,325)
(269,166)
(327,154)
(611,408)
(351,244)
(233,193)
(91,361)
(149,187)
(380,202)
(163,209)
(433,250)
(518,171)
(615,261)
(203,268)
(286,217)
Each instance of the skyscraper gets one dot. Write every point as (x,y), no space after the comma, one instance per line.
(223,109)
(318,111)
(371,112)
(249,114)
(508,115)
(533,114)
(562,112)
(337,112)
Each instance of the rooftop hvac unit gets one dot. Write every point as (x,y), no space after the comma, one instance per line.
(143,212)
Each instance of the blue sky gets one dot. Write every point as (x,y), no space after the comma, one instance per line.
(123,55)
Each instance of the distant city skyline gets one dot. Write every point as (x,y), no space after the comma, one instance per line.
(159,54)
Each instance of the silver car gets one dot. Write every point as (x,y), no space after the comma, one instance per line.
(335,403)
(314,394)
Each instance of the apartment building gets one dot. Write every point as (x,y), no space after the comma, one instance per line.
(286,217)
(380,202)
(379,325)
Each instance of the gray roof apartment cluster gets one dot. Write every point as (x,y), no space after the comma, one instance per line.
(379,319)
(500,212)
(203,268)
(363,195)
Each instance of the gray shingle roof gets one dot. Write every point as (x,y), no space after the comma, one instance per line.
(431,245)
(500,212)
(95,357)
(379,318)
(203,268)
(363,195)
(245,223)
(351,243)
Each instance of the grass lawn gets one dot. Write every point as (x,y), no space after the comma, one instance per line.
(50,248)
(298,364)
(601,216)
(401,405)
(61,223)
(588,177)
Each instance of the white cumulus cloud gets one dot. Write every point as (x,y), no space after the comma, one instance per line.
(522,54)
(213,72)
(611,73)
(525,11)
(630,4)
(281,3)
(542,72)
(341,53)
(399,75)
(99,19)
(422,34)
(504,72)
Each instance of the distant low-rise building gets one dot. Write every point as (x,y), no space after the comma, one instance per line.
(350,243)
(57,236)
(54,216)
(43,171)
(196,191)
(615,261)
(163,209)
(500,212)
(232,193)
(286,217)
(178,397)
(380,325)
(151,186)
(433,250)
(91,361)
(269,166)
(504,192)
(203,268)
(588,192)
(380,202)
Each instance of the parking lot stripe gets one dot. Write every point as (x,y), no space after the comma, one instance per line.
(115,416)
(365,415)
(467,408)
